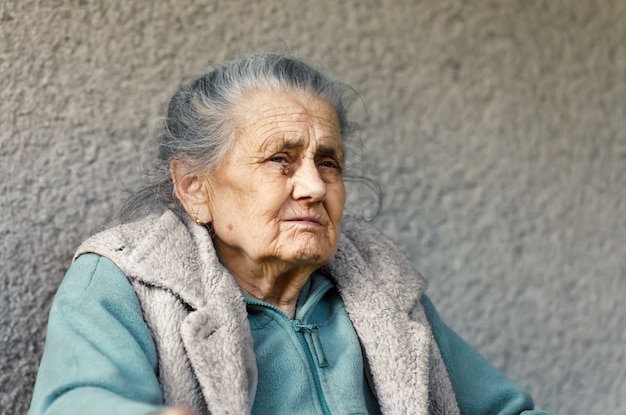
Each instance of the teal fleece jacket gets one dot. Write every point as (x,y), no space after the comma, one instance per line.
(99,357)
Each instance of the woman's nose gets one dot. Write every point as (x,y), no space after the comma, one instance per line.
(307,182)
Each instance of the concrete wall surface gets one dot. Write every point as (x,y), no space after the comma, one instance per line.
(495,127)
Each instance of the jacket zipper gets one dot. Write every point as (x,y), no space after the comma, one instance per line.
(312,335)
(303,331)
(318,384)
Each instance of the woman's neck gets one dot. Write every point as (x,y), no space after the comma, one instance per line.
(276,284)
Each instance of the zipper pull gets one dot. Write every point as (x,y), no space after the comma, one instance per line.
(311,331)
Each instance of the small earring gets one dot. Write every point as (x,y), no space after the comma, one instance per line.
(199,222)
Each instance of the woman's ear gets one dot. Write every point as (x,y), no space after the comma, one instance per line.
(192,191)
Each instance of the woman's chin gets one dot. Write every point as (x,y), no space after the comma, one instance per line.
(311,247)
(311,254)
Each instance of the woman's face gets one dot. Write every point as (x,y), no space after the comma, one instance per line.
(278,196)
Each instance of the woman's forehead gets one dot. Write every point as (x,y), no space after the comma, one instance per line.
(278,118)
(287,106)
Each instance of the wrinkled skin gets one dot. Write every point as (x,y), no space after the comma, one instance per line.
(275,202)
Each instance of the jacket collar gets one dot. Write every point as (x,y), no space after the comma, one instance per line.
(381,292)
(166,252)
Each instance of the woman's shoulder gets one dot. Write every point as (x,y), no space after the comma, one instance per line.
(95,327)
(125,236)
(94,282)
(92,272)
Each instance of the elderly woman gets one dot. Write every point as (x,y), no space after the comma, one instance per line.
(250,292)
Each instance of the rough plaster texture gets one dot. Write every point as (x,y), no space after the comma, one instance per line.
(496,128)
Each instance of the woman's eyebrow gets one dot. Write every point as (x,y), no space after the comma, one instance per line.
(281,144)
(330,151)
(287,143)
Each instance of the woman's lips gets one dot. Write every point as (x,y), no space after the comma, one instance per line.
(306,220)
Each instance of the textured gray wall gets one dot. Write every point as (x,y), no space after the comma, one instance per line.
(497,129)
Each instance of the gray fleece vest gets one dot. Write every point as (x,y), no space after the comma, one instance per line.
(198,319)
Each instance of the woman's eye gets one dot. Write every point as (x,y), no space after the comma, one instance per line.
(329,164)
(278,159)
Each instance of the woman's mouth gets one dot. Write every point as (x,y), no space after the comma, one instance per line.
(306,220)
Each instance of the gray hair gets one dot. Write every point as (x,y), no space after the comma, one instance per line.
(200,124)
